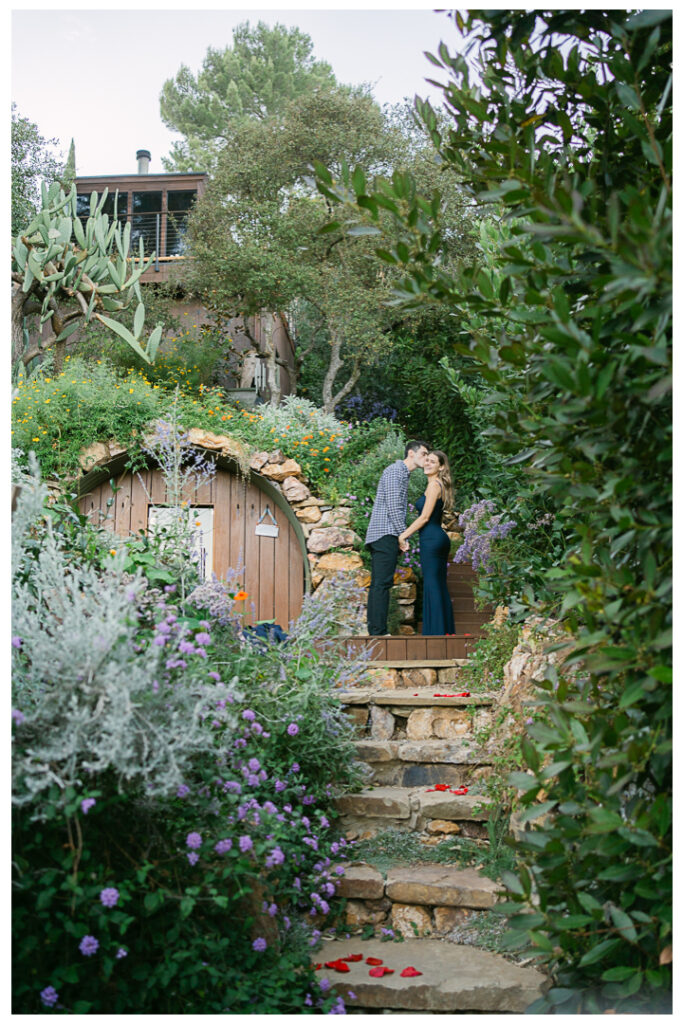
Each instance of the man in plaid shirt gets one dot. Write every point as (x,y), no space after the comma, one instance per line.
(387,521)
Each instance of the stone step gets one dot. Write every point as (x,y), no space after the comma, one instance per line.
(429,885)
(453,978)
(418,810)
(417,763)
(406,698)
(414,900)
(397,674)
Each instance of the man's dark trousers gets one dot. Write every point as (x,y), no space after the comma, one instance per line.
(384,553)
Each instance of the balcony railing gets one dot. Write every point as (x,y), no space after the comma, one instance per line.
(162,233)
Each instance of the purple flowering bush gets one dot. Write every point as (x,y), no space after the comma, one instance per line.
(481,528)
(173,839)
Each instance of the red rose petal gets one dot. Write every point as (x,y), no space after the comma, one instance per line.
(354,958)
(317,967)
(373,961)
(338,965)
(460,791)
(379,972)
(410,972)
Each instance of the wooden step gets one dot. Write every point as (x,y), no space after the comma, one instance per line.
(411,648)
(453,978)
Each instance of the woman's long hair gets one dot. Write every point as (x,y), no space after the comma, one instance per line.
(444,477)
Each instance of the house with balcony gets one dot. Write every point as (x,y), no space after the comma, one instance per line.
(157,207)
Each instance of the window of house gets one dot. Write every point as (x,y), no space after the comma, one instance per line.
(180,203)
(146,219)
(201,525)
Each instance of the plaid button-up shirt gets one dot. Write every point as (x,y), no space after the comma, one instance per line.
(391,502)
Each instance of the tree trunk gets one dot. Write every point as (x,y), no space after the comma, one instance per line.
(18,298)
(335,365)
(270,351)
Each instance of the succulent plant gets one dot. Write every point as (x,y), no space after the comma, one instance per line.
(58,260)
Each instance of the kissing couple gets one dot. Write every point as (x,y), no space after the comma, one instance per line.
(387,534)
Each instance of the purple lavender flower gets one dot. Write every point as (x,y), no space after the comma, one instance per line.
(49,996)
(170,589)
(248,715)
(185,647)
(86,804)
(18,716)
(325,983)
(17,642)
(280,785)
(292,729)
(272,910)
(253,780)
(193,858)
(275,857)
(257,728)
(310,799)
(253,764)
(269,807)
(215,675)
(339,1006)
(295,768)
(286,922)
(223,845)
(109,897)
(259,945)
(121,952)
(194,840)
(88,945)
(246,843)
(202,638)
(182,791)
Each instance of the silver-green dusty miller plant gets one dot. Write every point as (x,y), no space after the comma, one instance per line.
(88,699)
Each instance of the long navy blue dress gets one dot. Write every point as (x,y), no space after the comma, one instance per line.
(437,610)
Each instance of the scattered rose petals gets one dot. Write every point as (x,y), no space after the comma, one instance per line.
(316,967)
(354,958)
(460,791)
(373,961)
(410,972)
(379,972)
(338,965)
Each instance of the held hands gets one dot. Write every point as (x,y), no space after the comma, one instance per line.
(402,542)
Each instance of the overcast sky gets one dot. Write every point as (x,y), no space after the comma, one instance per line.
(96,75)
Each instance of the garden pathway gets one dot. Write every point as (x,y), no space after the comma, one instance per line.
(423,776)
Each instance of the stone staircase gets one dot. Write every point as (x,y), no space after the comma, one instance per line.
(423,775)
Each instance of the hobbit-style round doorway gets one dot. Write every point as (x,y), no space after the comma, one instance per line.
(229,508)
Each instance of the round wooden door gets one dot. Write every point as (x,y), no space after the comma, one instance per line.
(230,508)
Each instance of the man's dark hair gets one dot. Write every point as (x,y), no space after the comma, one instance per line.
(414,446)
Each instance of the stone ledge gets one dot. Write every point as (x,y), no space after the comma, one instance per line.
(454,978)
(441,886)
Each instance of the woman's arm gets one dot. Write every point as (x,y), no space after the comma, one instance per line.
(432,493)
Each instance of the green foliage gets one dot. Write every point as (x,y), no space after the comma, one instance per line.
(577,324)
(32,163)
(484,668)
(257,77)
(57,417)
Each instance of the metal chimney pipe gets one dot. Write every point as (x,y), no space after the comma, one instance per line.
(143,157)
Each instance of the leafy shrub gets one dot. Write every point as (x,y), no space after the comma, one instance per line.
(153,804)
(484,668)
(578,310)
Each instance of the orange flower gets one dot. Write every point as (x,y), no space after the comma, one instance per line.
(241,595)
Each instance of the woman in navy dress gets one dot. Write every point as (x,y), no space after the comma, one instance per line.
(437,610)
